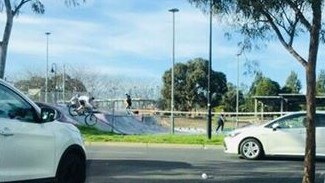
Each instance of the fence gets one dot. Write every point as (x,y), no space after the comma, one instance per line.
(182,119)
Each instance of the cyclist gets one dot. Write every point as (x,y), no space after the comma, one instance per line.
(85,102)
(74,99)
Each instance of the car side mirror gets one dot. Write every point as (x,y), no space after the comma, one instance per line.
(275,126)
(47,114)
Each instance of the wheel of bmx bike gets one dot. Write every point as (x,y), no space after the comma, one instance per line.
(72,110)
(91,119)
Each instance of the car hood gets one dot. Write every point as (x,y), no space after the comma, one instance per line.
(244,129)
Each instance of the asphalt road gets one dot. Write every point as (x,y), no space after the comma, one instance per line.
(141,163)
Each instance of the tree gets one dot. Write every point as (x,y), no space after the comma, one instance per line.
(285,20)
(258,78)
(12,9)
(38,82)
(320,83)
(190,85)
(293,83)
(263,86)
(230,97)
(267,87)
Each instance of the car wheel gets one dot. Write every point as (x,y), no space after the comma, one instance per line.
(251,149)
(72,169)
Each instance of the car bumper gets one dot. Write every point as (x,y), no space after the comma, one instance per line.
(231,145)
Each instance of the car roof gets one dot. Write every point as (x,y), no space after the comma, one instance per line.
(304,112)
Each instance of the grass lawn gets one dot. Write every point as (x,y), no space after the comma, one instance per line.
(94,135)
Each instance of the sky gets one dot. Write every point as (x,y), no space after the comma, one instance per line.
(133,38)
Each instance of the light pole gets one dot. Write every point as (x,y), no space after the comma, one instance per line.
(174,10)
(53,70)
(63,87)
(209,124)
(237,90)
(47,64)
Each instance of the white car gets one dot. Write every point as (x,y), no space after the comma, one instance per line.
(35,146)
(284,136)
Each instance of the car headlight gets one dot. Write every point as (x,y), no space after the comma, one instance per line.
(233,134)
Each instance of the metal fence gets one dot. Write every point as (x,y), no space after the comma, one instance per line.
(182,119)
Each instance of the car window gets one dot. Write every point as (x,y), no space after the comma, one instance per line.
(320,120)
(12,106)
(295,121)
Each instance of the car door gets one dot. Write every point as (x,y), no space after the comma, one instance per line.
(1,156)
(286,136)
(28,145)
(320,134)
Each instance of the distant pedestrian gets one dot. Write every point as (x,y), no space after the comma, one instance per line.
(220,123)
(128,104)
(128,101)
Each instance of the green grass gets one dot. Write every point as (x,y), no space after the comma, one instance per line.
(94,135)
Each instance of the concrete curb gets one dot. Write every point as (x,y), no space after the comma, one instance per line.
(153,145)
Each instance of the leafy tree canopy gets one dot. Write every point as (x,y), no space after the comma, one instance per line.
(320,83)
(229,99)
(293,83)
(37,82)
(190,85)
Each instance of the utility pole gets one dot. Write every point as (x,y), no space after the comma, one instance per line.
(209,124)
(172,122)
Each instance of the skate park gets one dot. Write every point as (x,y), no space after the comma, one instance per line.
(113,117)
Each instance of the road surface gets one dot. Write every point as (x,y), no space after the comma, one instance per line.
(142,163)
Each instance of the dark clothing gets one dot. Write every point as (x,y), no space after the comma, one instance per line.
(82,102)
(220,123)
(128,101)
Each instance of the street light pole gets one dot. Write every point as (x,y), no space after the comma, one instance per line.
(63,87)
(209,124)
(54,70)
(237,90)
(47,65)
(174,10)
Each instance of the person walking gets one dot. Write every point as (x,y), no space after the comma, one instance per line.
(220,123)
(128,102)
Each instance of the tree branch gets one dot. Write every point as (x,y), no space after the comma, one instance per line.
(290,31)
(281,39)
(22,2)
(302,18)
(293,30)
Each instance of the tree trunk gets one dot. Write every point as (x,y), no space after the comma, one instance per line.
(5,39)
(309,161)
(310,151)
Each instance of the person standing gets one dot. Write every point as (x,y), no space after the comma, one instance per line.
(220,123)
(128,101)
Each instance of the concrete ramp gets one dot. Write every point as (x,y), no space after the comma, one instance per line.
(120,122)
(135,124)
